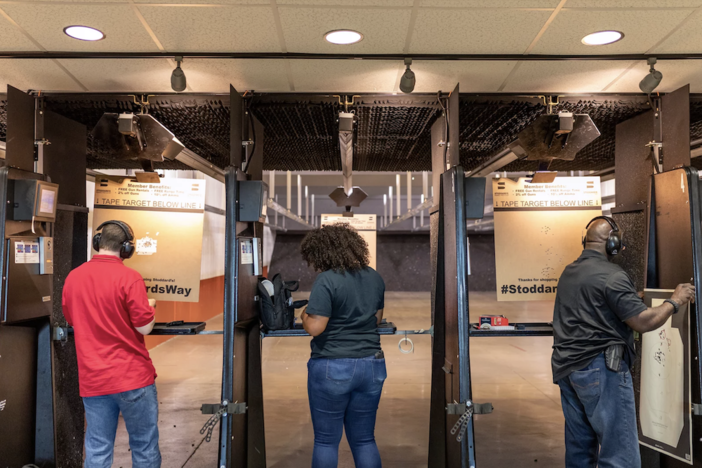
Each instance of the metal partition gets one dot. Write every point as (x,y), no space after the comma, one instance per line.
(451,384)
(242,435)
(674,257)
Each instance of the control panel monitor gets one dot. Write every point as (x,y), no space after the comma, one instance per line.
(34,200)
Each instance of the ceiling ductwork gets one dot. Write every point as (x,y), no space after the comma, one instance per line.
(136,137)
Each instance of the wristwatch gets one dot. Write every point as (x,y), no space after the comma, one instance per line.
(675,305)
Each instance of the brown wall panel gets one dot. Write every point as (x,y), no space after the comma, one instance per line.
(632,161)
(675,110)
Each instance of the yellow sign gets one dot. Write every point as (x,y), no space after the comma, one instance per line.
(167,219)
(538,232)
(365,224)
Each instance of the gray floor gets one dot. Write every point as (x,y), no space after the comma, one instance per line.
(526,428)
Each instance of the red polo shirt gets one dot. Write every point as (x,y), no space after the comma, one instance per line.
(104,301)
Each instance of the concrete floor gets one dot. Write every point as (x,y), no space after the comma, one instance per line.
(526,428)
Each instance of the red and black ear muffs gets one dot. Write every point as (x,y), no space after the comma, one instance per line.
(614,241)
(127,249)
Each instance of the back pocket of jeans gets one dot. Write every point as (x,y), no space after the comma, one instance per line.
(587,386)
(380,372)
(133,396)
(341,370)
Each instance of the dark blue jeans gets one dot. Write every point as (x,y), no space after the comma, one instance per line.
(140,411)
(600,418)
(344,393)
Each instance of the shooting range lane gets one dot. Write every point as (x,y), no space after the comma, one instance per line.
(512,373)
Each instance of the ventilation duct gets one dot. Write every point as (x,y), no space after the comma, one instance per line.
(557,136)
(135,137)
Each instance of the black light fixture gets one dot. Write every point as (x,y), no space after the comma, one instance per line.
(408,80)
(653,79)
(178,81)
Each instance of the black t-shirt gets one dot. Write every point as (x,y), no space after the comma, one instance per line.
(594,299)
(350,299)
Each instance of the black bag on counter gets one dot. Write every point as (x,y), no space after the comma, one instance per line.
(278,310)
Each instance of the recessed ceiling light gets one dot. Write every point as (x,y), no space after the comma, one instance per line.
(602,38)
(343,36)
(83,33)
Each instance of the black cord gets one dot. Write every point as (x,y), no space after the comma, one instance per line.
(446,137)
(253,130)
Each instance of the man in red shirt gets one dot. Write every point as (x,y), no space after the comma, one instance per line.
(106,304)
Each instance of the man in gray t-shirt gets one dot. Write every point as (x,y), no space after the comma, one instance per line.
(596,313)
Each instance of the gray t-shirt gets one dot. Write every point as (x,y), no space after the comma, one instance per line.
(351,300)
(594,299)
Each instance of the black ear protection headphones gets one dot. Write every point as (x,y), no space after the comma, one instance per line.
(127,249)
(614,241)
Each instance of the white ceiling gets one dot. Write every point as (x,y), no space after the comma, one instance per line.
(389,27)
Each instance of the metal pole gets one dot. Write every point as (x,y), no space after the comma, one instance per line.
(276,213)
(299,195)
(390,200)
(399,195)
(409,190)
(421,214)
(271,185)
(385,210)
(314,221)
(288,202)
(307,204)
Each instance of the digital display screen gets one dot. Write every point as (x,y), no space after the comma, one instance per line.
(47,201)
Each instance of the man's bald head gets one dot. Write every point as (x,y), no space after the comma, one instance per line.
(598,232)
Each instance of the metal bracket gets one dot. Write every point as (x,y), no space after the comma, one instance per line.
(448,367)
(42,142)
(59,334)
(230,408)
(477,408)
(697,409)
(457,408)
(656,147)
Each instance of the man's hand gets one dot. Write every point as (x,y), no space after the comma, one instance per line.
(152,302)
(683,294)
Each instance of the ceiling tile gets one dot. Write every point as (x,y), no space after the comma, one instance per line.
(476,31)
(474,77)
(565,77)
(490,3)
(35,74)
(633,3)
(214,28)
(384,29)
(145,75)
(205,76)
(45,23)
(11,38)
(342,76)
(686,38)
(216,75)
(676,73)
(207,2)
(347,3)
(642,30)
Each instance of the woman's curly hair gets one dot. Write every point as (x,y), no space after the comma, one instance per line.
(335,247)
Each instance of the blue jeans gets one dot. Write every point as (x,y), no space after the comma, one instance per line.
(344,393)
(140,411)
(600,417)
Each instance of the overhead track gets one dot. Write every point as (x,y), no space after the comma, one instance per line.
(312,56)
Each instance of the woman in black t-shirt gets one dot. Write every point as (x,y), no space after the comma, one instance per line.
(347,368)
